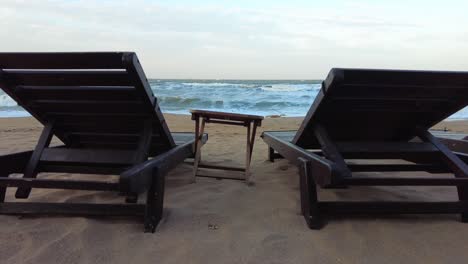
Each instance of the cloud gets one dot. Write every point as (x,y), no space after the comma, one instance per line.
(220,40)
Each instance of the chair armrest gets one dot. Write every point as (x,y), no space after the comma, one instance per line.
(137,179)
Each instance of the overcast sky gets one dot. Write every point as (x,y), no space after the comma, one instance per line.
(247,39)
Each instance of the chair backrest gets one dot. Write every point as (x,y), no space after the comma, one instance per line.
(95,100)
(382,105)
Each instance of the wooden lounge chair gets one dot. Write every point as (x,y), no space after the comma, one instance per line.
(370,115)
(101,107)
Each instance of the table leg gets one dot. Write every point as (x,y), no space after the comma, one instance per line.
(198,150)
(197,131)
(247,156)
(253,138)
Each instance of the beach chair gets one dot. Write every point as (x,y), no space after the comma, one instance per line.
(101,107)
(362,118)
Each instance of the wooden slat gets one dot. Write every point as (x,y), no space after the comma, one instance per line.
(398,181)
(393,207)
(103,128)
(104,169)
(433,168)
(386,147)
(322,168)
(72,209)
(412,92)
(225,116)
(62,60)
(219,167)
(88,156)
(103,137)
(88,106)
(104,93)
(60,184)
(62,78)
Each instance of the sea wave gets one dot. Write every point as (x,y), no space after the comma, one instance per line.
(288,88)
(267,97)
(219,84)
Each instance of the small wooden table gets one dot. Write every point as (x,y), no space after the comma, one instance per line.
(249,121)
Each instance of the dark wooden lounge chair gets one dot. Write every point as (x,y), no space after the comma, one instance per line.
(101,107)
(377,114)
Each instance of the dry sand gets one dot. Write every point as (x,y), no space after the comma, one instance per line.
(258,224)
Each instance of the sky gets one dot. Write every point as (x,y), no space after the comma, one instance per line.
(243,39)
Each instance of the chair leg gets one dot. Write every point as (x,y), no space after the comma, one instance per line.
(154,203)
(271,154)
(196,162)
(309,200)
(463,196)
(3,191)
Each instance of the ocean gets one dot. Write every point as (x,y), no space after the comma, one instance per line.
(260,97)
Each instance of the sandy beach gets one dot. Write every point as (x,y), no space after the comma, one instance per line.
(225,221)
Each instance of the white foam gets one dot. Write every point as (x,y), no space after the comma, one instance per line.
(218,84)
(287,88)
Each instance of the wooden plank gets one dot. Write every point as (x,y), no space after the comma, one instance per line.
(387,150)
(388,147)
(102,93)
(331,152)
(432,168)
(407,181)
(220,167)
(31,168)
(67,184)
(322,168)
(87,156)
(63,78)
(225,116)
(106,137)
(227,177)
(62,60)
(308,193)
(104,169)
(375,208)
(232,123)
(86,106)
(101,128)
(137,180)
(77,209)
